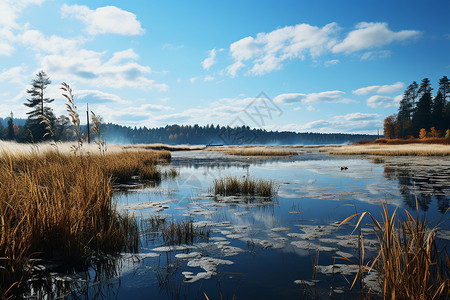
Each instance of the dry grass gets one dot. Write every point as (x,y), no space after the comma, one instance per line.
(227,186)
(383,141)
(165,147)
(252,151)
(409,263)
(391,150)
(59,205)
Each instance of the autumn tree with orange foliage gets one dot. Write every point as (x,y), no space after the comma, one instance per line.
(423,133)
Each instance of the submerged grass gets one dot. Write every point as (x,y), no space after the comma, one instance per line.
(60,205)
(409,263)
(229,185)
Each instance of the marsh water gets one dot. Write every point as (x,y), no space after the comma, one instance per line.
(259,248)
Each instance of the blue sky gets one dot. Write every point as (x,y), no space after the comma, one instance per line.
(326,66)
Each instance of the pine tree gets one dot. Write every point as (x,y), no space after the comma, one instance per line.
(444,87)
(422,116)
(437,112)
(10,133)
(41,119)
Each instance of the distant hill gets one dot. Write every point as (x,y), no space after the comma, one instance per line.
(19,122)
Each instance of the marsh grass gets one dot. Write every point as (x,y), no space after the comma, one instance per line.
(252,151)
(390,150)
(183,232)
(378,160)
(409,263)
(60,205)
(227,186)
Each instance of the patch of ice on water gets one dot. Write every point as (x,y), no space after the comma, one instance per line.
(188,255)
(312,246)
(280,229)
(208,264)
(338,268)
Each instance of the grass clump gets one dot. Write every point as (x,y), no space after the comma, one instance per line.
(229,185)
(378,160)
(409,263)
(60,205)
(183,232)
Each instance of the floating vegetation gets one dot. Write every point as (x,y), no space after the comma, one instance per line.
(409,263)
(229,185)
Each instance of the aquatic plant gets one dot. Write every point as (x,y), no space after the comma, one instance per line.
(378,160)
(182,232)
(229,185)
(60,205)
(409,263)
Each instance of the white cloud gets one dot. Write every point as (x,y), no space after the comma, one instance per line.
(193,79)
(14,75)
(371,55)
(369,35)
(208,62)
(9,12)
(103,20)
(380,89)
(332,62)
(95,96)
(378,101)
(208,78)
(53,44)
(91,68)
(322,97)
(268,51)
(234,68)
(351,123)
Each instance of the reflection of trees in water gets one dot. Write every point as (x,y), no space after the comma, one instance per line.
(423,184)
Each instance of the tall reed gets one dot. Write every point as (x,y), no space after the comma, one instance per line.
(60,205)
(409,263)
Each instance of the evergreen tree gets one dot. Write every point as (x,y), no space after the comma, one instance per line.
(2,129)
(41,119)
(404,114)
(437,112)
(422,116)
(412,94)
(444,87)
(10,132)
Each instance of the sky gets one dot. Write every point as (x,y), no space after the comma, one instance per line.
(304,66)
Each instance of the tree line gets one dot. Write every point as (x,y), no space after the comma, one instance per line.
(42,125)
(420,114)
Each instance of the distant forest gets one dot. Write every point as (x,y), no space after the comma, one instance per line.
(205,135)
(420,114)
(43,125)
(210,134)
